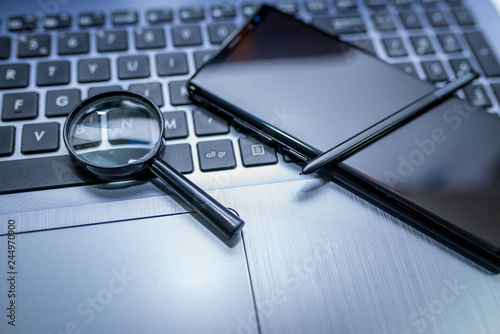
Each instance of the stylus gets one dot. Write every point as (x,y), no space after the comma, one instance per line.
(388,124)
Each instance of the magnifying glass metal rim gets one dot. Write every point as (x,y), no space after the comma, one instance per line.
(118,172)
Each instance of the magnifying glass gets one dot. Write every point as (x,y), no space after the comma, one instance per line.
(118,135)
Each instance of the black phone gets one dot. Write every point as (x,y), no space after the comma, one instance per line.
(308,92)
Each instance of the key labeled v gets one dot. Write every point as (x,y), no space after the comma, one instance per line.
(39,135)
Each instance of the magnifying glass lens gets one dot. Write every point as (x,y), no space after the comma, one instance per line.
(114,132)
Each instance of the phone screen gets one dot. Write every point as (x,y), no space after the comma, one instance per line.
(304,83)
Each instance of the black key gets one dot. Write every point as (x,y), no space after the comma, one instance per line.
(40,138)
(102,89)
(19,106)
(14,75)
(201,57)
(133,67)
(57,21)
(172,64)
(207,124)
(478,96)
(94,19)
(484,55)
(152,90)
(20,23)
(394,47)
(7,140)
(218,32)
(364,44)
(53,73)
(149,38)
(460,66)
(383,22)
(109,41)
(345,4)
(340,25)
(175,125)
(449,43)
(159,15)
(289,7)
(408,68)
(249,10)
(179,156)
(255,153)
(422,45)
(72,43)
(186,35)
(496,90)
(316,6)
(93,70)
(61,102)
(463,17)
(437,18)
(191,13)
(178,93)
(4,47)
(375,3)
(434,70)
(124,17)
(410,20)
(223,11)
(216,155)
(33,46)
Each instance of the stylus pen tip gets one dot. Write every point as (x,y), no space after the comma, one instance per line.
(301,172)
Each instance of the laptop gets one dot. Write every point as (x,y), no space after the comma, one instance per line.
(84,256)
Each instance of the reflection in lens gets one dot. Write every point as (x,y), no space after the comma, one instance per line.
(114,131)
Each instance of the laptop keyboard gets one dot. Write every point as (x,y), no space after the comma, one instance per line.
(49,63)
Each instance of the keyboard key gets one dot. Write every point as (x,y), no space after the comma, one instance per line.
(218,32)
(201,57)
(102,89)
(133,67)
(484,55)
(316,6)
(428,2)
(179,157)
(383,22)
(93,70)
(172,64)
(33,46)
(340,25)
(255,153)
(207,124)
(223,11)
(4,47)
(152,90)
(394,47)
(14,75)
(61,102)
(463,17)
(57,21)
(289,7)
(178,93)
(175,125)
(7,140)
(401,2)
(434,70)
(410,20)
(422,45)
(408,68)
(478,96)
(186,35)
(40,138)
(124,17)
(191,13)
(216,155)
(449,43)
(249,10)
(460,66)
(94,19)
(159,15)
(437,18)
(149,38)
(364,44)
(345,4)
(496,90)
(21,23)
(19,106)
(73,43)
(375,3)
(53,73)
(109,41)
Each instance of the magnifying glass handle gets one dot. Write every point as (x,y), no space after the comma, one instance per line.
(225,221)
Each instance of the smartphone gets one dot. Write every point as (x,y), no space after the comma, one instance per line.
(308,91)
